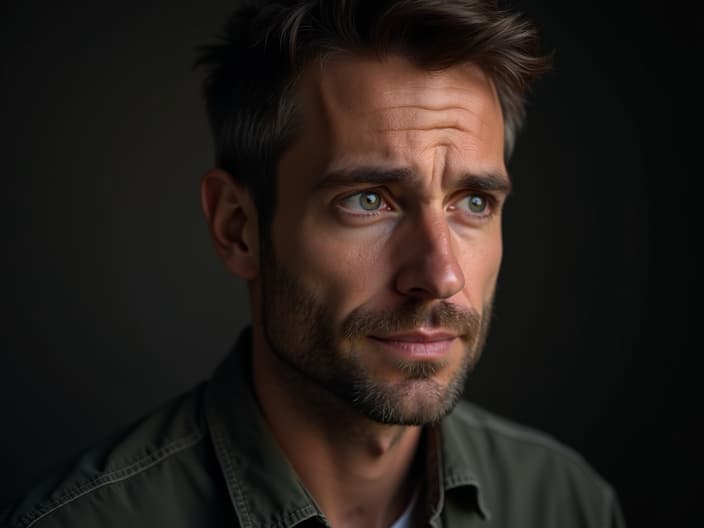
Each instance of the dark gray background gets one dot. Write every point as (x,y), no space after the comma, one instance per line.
(114,300)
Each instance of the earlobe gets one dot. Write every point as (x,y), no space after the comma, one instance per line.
(232,219)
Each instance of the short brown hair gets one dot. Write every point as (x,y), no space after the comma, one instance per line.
(265,45)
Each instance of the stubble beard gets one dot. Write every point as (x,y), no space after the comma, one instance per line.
(301,334)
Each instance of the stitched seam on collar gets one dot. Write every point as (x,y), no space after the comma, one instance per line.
(457,480)
(237,490)
(461,474)
(33,517)
(454,480)
(233,482)
(292,518)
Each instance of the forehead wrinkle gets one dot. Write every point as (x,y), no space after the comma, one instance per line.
(384,116)
(425,119)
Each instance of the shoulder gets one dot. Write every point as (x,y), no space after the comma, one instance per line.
(131,468)
(501,436)
(521,468)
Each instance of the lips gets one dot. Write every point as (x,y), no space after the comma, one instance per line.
(418,344)
(418,337)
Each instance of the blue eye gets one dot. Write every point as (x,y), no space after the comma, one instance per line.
(477,204)
(370,201)
(366,201)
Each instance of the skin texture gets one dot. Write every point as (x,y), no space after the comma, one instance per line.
(371,298)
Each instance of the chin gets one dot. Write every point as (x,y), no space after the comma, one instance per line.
(411,402)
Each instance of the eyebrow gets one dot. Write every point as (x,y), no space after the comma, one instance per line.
(486,181)
(482,181)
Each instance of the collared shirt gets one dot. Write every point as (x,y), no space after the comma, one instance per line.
(207,459)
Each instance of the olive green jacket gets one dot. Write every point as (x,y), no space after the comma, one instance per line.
(207,460)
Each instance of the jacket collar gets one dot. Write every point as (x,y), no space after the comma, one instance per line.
(263,487)
(463,464)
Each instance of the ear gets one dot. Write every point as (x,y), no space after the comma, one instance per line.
(232,218)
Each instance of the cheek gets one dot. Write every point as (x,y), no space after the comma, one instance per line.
(480,264)
(342,268)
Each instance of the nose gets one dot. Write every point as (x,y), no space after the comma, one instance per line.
(428,266)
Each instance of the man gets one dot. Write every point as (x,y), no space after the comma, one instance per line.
(361,175)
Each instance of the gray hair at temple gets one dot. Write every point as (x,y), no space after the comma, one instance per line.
(254,67)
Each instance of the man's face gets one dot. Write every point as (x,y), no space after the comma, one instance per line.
(385,246)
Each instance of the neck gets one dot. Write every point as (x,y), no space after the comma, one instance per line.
(360,472)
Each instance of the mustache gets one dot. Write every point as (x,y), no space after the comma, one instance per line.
(442,314)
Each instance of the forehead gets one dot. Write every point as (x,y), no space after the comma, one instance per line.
(356,109)
(352,84)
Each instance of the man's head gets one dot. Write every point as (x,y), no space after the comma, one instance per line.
(266,46)
(379,130)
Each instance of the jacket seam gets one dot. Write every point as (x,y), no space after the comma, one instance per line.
(235,488)
(33,517)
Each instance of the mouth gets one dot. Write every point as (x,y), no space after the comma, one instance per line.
(418,344)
